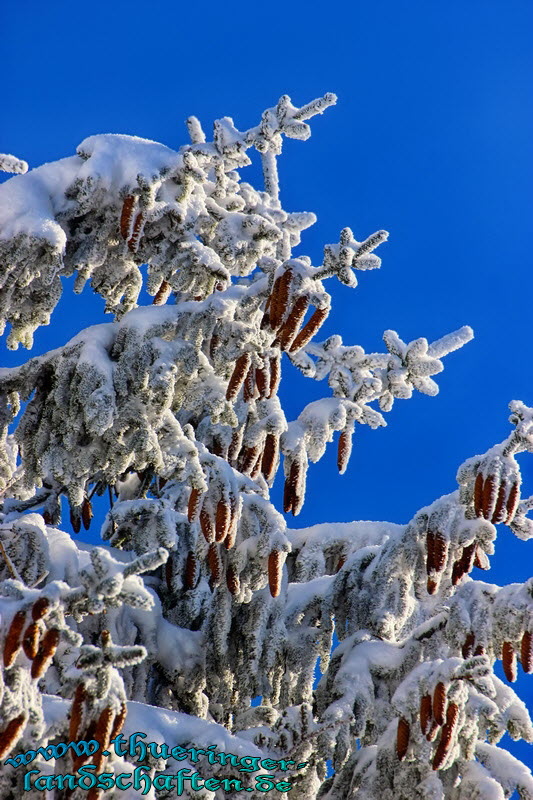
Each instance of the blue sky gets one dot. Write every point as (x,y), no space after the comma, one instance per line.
(431,140)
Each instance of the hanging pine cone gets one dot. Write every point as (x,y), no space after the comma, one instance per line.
(262,381)
(439,703)
(457,572)
(426,713)
(118,722)
(76,712)
(30,640)
(310,328)
(102,735)
(275,375)
(481,560)
(206,524)
(279,298)
(446,737)
(215,563)
(222,519)
(275,571)
(489,496)
(47,649)
(194,502)
(468,646)
(512,503)
(509,661)
(270,456)
(232,580)
(440,551)
(75,519)
(467,558)
(478,495)
(402,738)
(430,550)
(133,241)
(162,294)
(344,450)
(500,512)
(126,216)
(292,324)
(86,513)
(191,571)
(11,734)
(526,652)
(239,373)
(12,641)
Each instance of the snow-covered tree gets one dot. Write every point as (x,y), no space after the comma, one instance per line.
(202,599)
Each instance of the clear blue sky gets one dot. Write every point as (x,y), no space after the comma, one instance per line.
(431,140)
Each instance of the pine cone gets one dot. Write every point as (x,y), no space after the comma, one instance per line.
(133,241)
(86,513)
(526,652)
(240,371)
(206,524)
(509,661)
(481,560)
(275,375)
(279,298)
(126,216)
(500,512)
(430,548)
(75,519)
(40,608)
(512,502)
(478,495)
(191,570)
(215,563)
(47,648)
(292,500)
(213,344)
(102,735)
(467,558)
(457,572)
(248,458)
(269,460)
(310,328)
(292,324)
(489,496)
(194,502)
(11,734)
(402,738)
(434,728)
(162,294)
(262,381)
(235,446)
(76,712)
(439,703)
(440,552)
(119,721)
(275,572)
(30,640)
(344,450)
(426,713)
(232,580)
(222,520)
(446,737)
(250,388)
(468,646)
(13,638)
